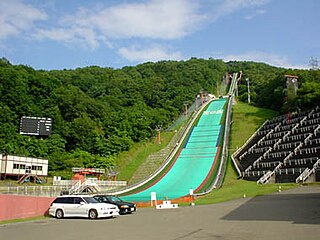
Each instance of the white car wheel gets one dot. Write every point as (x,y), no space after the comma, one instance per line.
(59,214)
(93,214)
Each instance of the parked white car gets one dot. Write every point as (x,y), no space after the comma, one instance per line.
(81,206)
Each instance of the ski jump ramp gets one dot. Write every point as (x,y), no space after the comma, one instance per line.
(195,161)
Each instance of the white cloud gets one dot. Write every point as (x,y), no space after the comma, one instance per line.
(16,17)
(255,14)
(269,58)
(260,11)
(150,54)
(160,19)
(73,30)
(86,37)
(155,19)
(152,20)
(226,7)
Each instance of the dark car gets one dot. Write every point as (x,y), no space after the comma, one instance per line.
(124,207)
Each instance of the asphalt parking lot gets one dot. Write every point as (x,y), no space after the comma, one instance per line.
(294,214)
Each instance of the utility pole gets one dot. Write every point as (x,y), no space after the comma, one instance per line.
(158,129)
(237,87)
(237,83)
(186,109)
(313,63)
(247,79)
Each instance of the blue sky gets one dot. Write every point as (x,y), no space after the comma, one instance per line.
(56,34)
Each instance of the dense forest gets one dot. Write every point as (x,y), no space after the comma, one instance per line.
(99,112)
(268,86)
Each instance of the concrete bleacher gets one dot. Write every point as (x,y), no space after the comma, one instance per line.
(251,152)
(288,174)
(284,149)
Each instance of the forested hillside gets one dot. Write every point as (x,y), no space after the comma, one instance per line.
(268,86)
(98,112)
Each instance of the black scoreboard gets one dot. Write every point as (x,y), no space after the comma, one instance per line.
(36,126)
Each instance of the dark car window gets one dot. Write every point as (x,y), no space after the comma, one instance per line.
(102,199)
(90,200)
(78,200)
(63,200)
(108,199)
(59,200)
(70,200)
(115,199)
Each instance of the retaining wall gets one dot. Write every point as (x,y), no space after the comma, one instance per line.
(16,207)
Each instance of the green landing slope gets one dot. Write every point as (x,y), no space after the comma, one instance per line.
(195,160)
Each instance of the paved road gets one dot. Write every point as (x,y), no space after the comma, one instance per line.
(294,214)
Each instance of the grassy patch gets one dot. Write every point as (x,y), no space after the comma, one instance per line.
(239,189)
(23,220)
(132,159)
(246,119)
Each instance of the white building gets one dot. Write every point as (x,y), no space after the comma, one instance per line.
(21,166)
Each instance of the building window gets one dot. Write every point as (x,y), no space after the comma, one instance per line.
(36,168)
(19,166)
(22,166)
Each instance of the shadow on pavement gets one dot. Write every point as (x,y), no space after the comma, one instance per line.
(296,208)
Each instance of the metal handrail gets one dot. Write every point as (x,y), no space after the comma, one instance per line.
(265,178)
(34,190)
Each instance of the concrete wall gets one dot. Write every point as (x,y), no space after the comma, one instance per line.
(16,207)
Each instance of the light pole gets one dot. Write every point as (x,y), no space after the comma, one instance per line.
(186,109)
(237,86)
(247,79)
(158,129)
